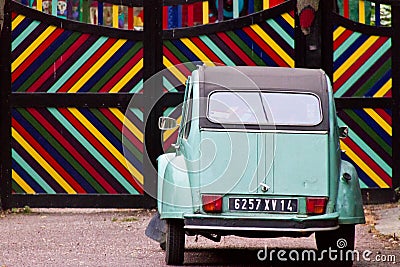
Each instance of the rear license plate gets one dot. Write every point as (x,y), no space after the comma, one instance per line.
(263,205)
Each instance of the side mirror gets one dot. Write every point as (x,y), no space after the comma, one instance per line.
(343,132)
(166,123)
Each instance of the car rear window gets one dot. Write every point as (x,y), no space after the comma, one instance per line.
(264,108)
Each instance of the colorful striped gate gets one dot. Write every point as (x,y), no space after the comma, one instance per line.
(67,89)
(364,67)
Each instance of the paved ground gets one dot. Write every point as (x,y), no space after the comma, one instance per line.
(73,237)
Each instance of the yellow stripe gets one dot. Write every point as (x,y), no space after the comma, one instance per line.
(131,73)
(338,32)
(205,12)
(361,11)
(265,4)
(171,67)
(273,45)
(357,54)
(78,85)
(42,162)
(115,16)
(104,141)
(27,52)
(22,183)
(363,166)
(168,133)
(39,5)
(17,21)
(127,123)
(289,19)
(195,50)
(378,119)
(384,89)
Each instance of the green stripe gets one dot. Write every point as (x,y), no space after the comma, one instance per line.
(367,129)
(106,122)
(226,60)
(243,46)
(78,64)
(281,32)
(176,52)
(345,45)
(63,152)
(367,149)
(17,189)
(49,62)
(138,113)
(96,154)
(32,173)
(372,60)
(116,67)
(15,43)
(374,78)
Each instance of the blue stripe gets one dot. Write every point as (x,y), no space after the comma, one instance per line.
(185,50)
(120,53)
(378,85)
(255,48)
(54,153)
(349,51)
(40,60)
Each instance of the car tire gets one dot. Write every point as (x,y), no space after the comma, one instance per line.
(341,240)
(175,243)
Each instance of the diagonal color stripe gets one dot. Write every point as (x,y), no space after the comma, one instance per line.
(349,41)
(348,63)
(16,21)
(195,50)
(60,180)
(35,176)
(273,44)
(288,39)
(131,73)
(171,67)
(378,119)
(289,18)
(226,60)
(338,32)
(32,47)
(92,150)
(55,87)
(105,142)
(360,163)
(88,74)
(384,89)
(363,69)
(15,176)
(367,149)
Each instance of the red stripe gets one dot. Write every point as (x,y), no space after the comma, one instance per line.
(13,15)
(35,54)
(165,17)
(190,15)
(237,50)
(359,62)
(384,115)
(176,62)
(122,72)
(343,37)
(206,50)
(67,145)
(103,150)
(346,8)
(172,139)
(52,162)
(130,18)
(368,161)
(89,63)
(118,124)
(57,64)
(264,46)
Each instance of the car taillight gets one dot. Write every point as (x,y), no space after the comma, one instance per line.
(212,203)
(316,205)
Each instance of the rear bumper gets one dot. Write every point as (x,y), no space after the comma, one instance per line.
(262,225)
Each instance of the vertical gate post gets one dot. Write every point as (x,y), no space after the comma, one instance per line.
(326,7)
(153,63)
(5,118)
(396,94)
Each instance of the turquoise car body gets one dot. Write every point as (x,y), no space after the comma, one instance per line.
(282,162)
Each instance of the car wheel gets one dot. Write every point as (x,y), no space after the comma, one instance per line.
(175,244)
(341,240)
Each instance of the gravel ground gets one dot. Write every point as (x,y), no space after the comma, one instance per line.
(92,237)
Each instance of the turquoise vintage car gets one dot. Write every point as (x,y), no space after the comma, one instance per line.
(257,156)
